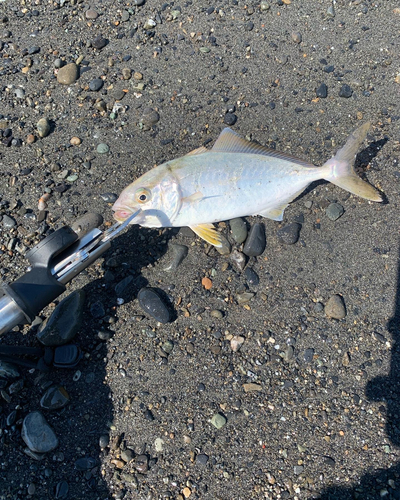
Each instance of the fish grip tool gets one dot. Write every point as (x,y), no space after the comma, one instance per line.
(55,261)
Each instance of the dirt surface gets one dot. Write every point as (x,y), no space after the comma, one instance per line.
(322,420)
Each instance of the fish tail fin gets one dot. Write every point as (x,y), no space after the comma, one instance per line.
(341,167)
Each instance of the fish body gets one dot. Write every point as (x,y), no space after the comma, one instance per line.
(235,178)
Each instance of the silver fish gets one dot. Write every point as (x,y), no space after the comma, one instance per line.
(236,178)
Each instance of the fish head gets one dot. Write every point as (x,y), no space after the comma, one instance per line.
(157,194)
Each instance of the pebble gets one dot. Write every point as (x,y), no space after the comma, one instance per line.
(238,259)
(244,298)
(202,459)
(127,455)
(99,42)
(31,489)
(330,12)
(85,463)
(8,222)
(138,2)
(54,398)
(122,286)
(19,93)
(318,307)
(137,75)
(256,242)
(345,91)
(238,229)
(37,434)
(218,420)
(109,197)
(16,387)
(153,304)
(141,463)
(236,342)
(308,355)
(97,310)
(91,14)
(322,91)
(149,117)
(8,370)
(251,276)
(296,37)
(104,441)
(334,211)
(62,490)
(230,119)
(335,307)
(64,322)
(298,469)
(68,74)
(265,5)
(75,141)
(252,387)
(43,127)
(126,74)
(207,283)
(96,84)
(177,255)
(289,234)
(30,139)
(217,314)
(102,148)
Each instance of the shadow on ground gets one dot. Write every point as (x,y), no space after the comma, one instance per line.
(375,484)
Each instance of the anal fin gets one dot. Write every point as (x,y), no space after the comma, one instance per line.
(208,233)
(276,212)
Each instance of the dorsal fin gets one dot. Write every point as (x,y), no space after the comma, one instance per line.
(231,142)
(197,151)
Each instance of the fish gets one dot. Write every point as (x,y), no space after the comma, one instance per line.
(235,178)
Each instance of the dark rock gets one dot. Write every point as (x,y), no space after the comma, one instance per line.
(99,42)
(85,463)
(97,310)
(96,84)
(322,91)
(308,355)
(37,434)
(346,91)
(202,459)
(256,242)
(251,276)
(54,398)
(334,211)
(289,234)
(230,119)
(64,322)
(123,285)
(61,490)
(151,302)
(178,254)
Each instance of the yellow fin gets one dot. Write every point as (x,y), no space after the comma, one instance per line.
(230,142)
(208,233)
(197,151)
(193,197)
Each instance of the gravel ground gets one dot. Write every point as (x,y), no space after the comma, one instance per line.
(253,389)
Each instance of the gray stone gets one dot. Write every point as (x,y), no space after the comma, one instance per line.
(322,92)
(335,307)
(238,229)
(308,355)
(8,222)
(64,322)
(202,459)
(8,370)
(256,242)
(68,74)
(178,254)
(62,490)
(218,420)
(345,91)
(109,197)
(122,286)
(102,148)
(37,434)
(97,309)
(96,84)
(43,127)
(334,211)
(149,117)
(238,259)
(289,234)
(85,463)
(153,304)
(54,398)
(99,42)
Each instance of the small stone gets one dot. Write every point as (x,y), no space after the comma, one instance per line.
(99,42)
(149,117)
(37,434)
(207,283)
(33,50)
(251,276)
(141,463)
(152,303)
(109,197)
(289,234)
(102,148)
(138,2)
(322,91)
(318,307)
(54,398)
(96,84)
(244,298)
(68,74)
(168,347)
(104,441)
(31,489)
(335,307)
(159,444)
(137,76)
(62,490)
(91,14)
(218,420)
(127,455)
(30,139)
(296,37)
(126,74)
(75,141)
(237,342)
(217,314)
(97,310)
(308,355)
(230,119)
(85,463)
(249,26)
(346,359)
(186,492)
(256,242)
(178,254)
(238,229)
(345,91)
(330,12)
(202,459)
(64,322)
(16,387)
(289,353)
(334,211)
(8,370)
(122,286)
(19,93)
(124,16)
(252,387)
(265,5)
(8,222)
(238,259)
(298,469)
(43,127)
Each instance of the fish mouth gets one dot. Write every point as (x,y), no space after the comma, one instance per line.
(121,214)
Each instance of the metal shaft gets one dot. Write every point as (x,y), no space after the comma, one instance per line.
(10,314)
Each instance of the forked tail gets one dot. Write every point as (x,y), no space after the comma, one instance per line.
(342,171)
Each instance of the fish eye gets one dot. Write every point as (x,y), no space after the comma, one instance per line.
(142,195)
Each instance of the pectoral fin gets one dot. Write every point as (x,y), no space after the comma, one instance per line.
(208,233)
(193,197)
